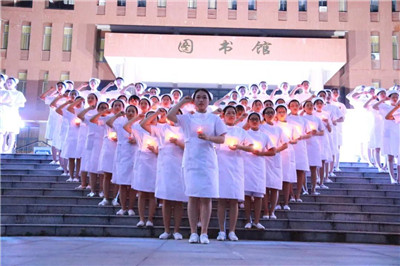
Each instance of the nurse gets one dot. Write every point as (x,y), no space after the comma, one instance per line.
(170,186)
(231,173)
(5,101)
(200,166)
(394,114)
(274,176)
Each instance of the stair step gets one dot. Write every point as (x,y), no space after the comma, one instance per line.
(26,156)
(269,234)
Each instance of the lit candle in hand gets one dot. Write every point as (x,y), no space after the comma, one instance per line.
(257,146)
(112,136)
(77,121)
(199,130)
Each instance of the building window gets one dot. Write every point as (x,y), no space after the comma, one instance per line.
(47,38)
(376,83)
(303,5)
(4,36)
(141,3)
(323,5)
(64,76)
(17,3)
(45,84)
(212,4)
(282,5)
(67,40)
(121,2)
(25,37)
(374,6)
(60,4)
(22,76)
(192,4)
(161,3)
(252,5)
(395,41)
(394,6)
(101,2)
(232,4)
(374,47)
(101,50)
(342,5)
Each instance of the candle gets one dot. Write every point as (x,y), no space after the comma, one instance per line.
(230,142)
(112,136)
(150,142)
(257,146)
(199,130)
(170,135)
(313,126)
(77,121)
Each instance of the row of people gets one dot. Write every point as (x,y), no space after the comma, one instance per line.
(105,131)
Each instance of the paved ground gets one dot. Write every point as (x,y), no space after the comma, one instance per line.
(59,251)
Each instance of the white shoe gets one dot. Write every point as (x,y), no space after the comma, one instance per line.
(101,194)
(292,199)
(149,224)
(91,194)
(115,202)
(315,193)
(323,187)
(221,236)
(259,226)
(278,207)
(140,224)
(305,193)
(104,202)
(88,187)
(69,180)
(266,217)
(164,235)
(272,216)
(59,168)
(64,174)
(75,180)
(327,180)
(204,239)
(80,187)
(247,226)
(286,208)
(194,238)
(317,186)
(299,200)
(52,162)
(232,236)
(121,212)
(131,212)
(332,174)
(178,236)
(337,169)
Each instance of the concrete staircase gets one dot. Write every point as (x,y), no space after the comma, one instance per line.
(361,206)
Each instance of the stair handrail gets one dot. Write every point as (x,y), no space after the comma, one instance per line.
(29,144)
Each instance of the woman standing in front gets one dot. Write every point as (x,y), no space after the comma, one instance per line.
(200,166)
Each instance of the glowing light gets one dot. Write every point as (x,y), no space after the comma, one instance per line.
(112,136)
(77,121)
(200,130)
(230,141)
(313,126)
(257,146)
(151,142)
(170,135)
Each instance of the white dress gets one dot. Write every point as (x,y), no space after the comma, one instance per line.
(83,139)
(61,130)
(145,164)
(335,115)
(107,153)
(52,119)
(124,154)
(274,176)
(288,155)
(254,165)
(313,146)
(339,126)
(70,148)
(5,104)
(300,149)
(391,132)
(200,165)
(170,184)
(93,144)
(231,165)
(324,141)
(14,120)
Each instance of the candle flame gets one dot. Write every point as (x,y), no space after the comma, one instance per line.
(257,146)
(112,136)
(199,130)
(77,121)
(231,141)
